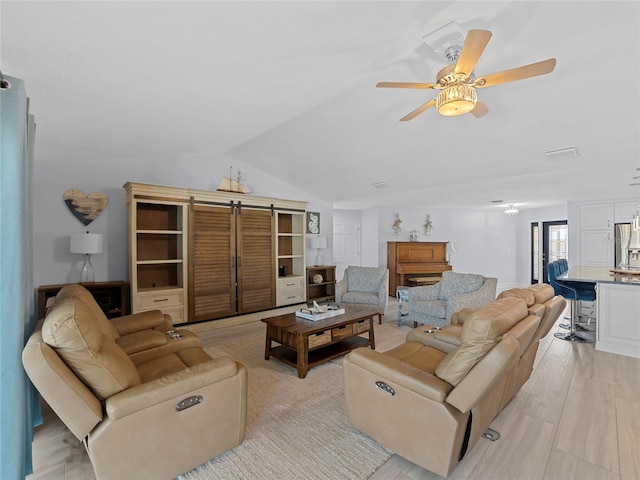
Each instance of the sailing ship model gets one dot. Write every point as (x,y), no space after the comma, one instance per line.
(234,185)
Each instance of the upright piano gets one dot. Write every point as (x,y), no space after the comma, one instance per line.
(407,260)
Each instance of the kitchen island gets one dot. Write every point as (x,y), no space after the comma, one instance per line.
(618,307)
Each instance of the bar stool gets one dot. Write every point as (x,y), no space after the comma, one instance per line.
(574,292)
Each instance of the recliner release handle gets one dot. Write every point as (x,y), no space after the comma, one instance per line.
(188,402)
(385,387)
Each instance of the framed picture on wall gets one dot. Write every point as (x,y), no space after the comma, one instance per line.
(313,222)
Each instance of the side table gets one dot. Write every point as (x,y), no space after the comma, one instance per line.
(402,294)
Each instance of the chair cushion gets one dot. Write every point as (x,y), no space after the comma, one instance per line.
(524,293)
(362,298)
(454,283)
(418,355)
(364,279)
(73,332)
(172,363)
(433,308)
(142,340)
(480,332)
(542,292)
(77,291)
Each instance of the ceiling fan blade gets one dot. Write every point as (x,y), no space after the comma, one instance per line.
(407,85)
(481,110)
(419,110)
(520,73)
(474,45)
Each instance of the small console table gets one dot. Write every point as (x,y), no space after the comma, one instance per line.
(113,297)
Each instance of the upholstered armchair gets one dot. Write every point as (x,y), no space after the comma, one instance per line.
(434,304)
(367,286)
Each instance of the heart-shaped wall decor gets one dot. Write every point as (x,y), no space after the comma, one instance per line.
(85,208)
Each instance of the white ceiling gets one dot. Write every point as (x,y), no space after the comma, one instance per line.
(289,88)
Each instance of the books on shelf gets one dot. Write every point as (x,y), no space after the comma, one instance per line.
(317,312)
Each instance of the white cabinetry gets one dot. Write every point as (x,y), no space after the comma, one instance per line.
(618,314)
(596,243)
(624,211)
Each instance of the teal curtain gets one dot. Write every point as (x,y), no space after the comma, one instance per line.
(19,405)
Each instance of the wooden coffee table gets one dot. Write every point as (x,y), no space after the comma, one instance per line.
(304,343)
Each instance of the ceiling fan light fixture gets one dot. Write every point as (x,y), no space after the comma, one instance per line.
(456,100)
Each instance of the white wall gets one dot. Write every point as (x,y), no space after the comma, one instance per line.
(486,241)
(53,222)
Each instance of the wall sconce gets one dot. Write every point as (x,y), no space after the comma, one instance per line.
(318,243)
(87,244)
(428,225)
(396,224)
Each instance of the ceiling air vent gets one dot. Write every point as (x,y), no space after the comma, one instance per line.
(571,152)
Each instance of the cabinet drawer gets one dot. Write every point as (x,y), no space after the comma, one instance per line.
(290,283)
(289,297)
(160,300)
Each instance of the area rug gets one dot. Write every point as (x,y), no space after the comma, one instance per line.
(296,428)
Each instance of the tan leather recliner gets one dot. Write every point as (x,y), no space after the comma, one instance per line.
(430,400)
(143,336)
(154,419)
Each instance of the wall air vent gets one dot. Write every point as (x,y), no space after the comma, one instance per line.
(571,152)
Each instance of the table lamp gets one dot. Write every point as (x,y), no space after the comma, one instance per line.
(318,243)
(87,244)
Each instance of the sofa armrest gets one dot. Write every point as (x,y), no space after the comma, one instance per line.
(401,374)
(341,289)
(482,296)
(425,292)
(383,289)
(139,321)
(164,388)
(445,340)
(484,375)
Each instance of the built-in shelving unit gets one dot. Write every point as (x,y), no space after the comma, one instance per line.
(290,256)
(321,283)
(157,249)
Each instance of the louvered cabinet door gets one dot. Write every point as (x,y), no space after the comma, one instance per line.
(256,260)
(212,285)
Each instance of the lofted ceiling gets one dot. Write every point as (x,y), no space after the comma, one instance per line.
(289,88)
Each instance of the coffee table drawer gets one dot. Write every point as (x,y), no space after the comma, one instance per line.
(341,332)
(361,326)
(319,339)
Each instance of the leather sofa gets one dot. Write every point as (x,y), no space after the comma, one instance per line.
(431,398)
(155,413)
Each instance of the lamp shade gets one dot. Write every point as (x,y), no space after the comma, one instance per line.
(318,242)
(86,243)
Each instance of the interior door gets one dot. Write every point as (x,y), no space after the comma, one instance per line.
(555,236)
(255,259)
(346,244)
(212,260)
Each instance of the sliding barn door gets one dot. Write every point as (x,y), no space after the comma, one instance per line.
(212,268)
(256,257)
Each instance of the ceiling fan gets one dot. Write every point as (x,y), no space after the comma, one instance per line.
(458,83)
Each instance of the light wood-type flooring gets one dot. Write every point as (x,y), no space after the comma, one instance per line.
(578,417)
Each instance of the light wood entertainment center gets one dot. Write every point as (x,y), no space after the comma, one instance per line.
(202,255)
